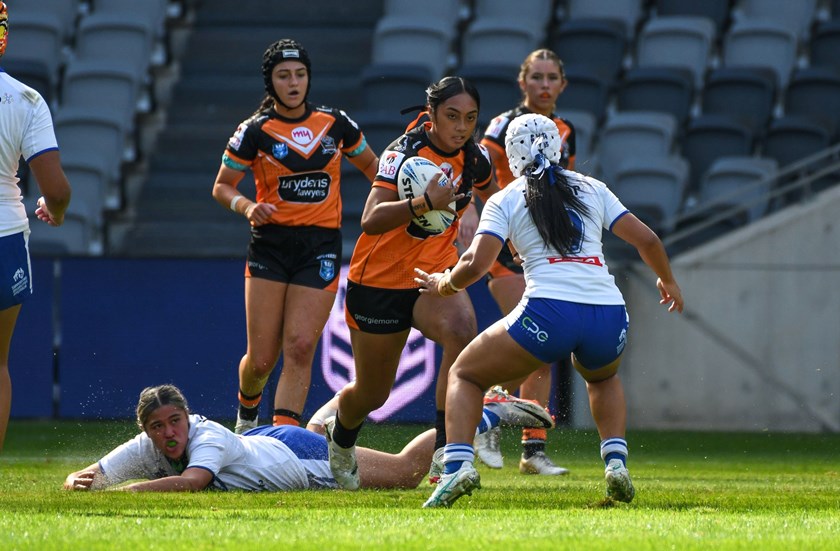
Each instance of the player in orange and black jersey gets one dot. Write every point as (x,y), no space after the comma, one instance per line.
(542,80)
(383,300)
(294,150)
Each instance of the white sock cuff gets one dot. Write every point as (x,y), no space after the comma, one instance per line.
(613,445)
(458,452)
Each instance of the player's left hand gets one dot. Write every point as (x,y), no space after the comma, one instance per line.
(44,214)
(428,282)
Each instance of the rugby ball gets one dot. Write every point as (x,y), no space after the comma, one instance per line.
(414,175)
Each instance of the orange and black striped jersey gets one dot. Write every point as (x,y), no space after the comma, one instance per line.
(297,162)
(494,139)
(388,260)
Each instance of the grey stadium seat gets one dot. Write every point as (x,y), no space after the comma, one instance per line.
(636,135)
(677,41)
(652,188)
(756,43)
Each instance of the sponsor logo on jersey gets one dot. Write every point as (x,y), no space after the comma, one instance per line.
(496,126)
(389,163)
(19,274)
(593,260)
(533,329)
(311,187)
(302,135)
(279,151)
(236,140)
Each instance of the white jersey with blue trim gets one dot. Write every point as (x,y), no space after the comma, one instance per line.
(254,463)
(581,276)
(26,130)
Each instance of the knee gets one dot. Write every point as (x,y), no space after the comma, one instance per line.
(299,349)
(457,338)
(260,366)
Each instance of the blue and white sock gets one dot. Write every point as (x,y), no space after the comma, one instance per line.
(454,455)
(489,420)
(614,448)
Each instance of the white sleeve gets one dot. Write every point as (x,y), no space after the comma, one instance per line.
(208,450)
(125,462)
(39,135)
(494,220)
(613,209)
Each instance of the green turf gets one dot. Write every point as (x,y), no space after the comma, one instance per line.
(694,491)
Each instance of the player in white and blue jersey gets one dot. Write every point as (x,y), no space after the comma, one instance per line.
(180,451)
(26,131)
(553,220)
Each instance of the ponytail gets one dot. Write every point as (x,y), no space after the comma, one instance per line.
(549,199)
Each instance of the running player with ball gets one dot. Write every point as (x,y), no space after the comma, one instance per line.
(383,301)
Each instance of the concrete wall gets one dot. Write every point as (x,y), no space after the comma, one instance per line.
(759,344)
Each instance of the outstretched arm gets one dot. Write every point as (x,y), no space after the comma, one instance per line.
(89,478)
(191,480)
(472,265)
(637,233)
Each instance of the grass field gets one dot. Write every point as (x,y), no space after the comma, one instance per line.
(694,491)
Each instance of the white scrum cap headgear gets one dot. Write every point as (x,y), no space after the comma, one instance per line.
(532,139)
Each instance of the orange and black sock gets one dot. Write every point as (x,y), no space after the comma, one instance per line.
(249,405)
(286,417)
(533,441)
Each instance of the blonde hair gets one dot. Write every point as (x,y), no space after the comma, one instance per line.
(541,54)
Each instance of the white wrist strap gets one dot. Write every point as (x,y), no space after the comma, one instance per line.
(234,201)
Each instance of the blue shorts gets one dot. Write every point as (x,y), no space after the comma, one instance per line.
(304,443)
(15,270)
(309,447)
(551,329)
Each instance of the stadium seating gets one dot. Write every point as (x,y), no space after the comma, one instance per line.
(791,139)
(585,127)
(414,40)
(104,85)
(445,10)
(815,93)
(666,89)
(795,16)
(677,41)
(825,44)
(744,93)
(38,38)
(716,10)
(710,137)
(739,181)
(390,88)
(497,86)
(93,140)
(538,12)
(634,135)
(596,43)
(653,188)
(380,129)
(587,91)
(628,12)
(500,41)
(761,43)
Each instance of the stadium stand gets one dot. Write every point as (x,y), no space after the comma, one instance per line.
(764,73)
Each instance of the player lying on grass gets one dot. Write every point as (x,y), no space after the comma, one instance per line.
(178,451)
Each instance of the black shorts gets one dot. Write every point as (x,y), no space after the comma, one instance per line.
(377,310)
(305,255)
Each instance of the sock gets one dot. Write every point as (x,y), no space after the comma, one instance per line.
(533,441)
(489,420)
(344,437)
(440,429)
(249,406)
(454,456)
(614,448)
(286,417)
